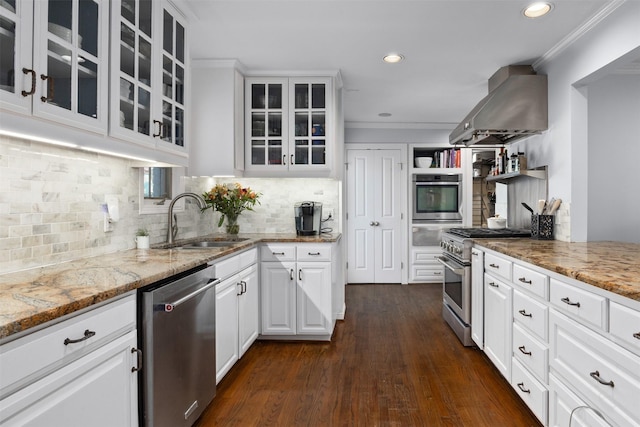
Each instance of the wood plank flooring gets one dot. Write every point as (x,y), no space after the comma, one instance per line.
(393,361)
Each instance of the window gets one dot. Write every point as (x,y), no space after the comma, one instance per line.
(158,185)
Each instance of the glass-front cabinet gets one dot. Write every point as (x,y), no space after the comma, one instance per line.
(287,123)
(56,69)
(148,73)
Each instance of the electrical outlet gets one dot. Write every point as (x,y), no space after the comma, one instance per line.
(330,214)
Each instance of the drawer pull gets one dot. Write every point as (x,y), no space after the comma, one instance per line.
(299,274)
(439,273)
(523,350)
(139,354)
(524,280)
(637,335)
(524,390)
(493,284)
(596,376)
(87,334)
(566,300)
(278,253)
(33,82)
(314,253)
(524,313)
(291,274)
(494,266)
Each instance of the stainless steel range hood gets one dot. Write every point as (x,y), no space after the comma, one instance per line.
(516,107)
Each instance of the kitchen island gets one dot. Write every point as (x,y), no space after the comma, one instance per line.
(32,298)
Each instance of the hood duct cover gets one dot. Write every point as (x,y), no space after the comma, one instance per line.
(513,110)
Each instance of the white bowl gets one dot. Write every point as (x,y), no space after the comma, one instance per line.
(496,223)
(423,162)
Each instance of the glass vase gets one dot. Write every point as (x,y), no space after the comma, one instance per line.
(233,228)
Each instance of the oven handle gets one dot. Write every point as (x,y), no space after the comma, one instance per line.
(442,260)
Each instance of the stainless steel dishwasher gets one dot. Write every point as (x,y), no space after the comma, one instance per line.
(178,341)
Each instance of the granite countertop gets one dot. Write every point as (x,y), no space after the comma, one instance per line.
(30,298)
(613,266)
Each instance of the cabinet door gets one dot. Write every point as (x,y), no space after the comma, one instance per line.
(16,72)
(314,298)
(248,309)
(477,297)
(174,60)
(309,123)
(266,102)
(498,324)
(278,296)
(135,35)
(98,389)
(226,325)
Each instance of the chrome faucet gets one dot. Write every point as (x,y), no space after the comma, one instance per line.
(173,226)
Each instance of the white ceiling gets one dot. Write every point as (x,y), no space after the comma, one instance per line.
(451,47)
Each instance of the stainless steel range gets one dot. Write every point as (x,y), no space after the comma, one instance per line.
(456,246)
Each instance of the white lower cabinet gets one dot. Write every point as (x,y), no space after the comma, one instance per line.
(296,290)
(531,390)
(498,323)
(477,297)
(425,267)
(567,409)
(236,309)
(97,384)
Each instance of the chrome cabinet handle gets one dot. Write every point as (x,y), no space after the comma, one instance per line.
(596,376)
(524,390)
(493,284)
(494,266)
(139,354)
(567,301)
(33,82)
(87,334)
(291,274)
(524,313)
(524,280)
(637,335)
(523,350)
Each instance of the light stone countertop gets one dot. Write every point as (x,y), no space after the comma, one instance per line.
(33,297)
(613,266)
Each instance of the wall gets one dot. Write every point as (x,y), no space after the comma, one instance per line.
(614,152)
(50,201)
(564,148)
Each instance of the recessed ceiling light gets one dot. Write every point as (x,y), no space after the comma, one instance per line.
(384,114)
(393,58)
(536,10)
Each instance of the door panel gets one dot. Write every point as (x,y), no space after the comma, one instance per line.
(375,216)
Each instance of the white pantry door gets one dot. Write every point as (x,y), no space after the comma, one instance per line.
(374,208)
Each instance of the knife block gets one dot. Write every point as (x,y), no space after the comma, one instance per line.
(542,227)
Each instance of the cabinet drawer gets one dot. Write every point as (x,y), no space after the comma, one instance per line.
(586,306)
(235,264)
(531,281)
(313,253)
(28,358)
(530,390)
(624,324)
(531,352)
(278,252)
(497,266)
(248,258)
(531,314)
(607,376)
(426,274)
(425,257)
(566,409)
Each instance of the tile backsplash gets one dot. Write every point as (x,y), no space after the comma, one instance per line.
(51,197)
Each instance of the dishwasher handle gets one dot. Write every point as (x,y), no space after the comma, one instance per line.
(454,268)
(169,307)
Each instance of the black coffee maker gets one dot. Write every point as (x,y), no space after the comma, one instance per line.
(308,215)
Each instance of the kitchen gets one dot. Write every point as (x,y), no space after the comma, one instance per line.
(572,159)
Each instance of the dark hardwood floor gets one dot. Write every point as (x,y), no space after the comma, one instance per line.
(393,361)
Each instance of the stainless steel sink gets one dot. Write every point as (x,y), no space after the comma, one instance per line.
(212,244)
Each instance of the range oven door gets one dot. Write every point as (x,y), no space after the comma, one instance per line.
(457,287)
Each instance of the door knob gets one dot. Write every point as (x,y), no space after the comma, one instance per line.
(372,223)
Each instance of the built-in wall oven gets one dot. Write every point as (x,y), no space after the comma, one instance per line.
(437,198)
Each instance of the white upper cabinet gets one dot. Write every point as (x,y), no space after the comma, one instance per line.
(289,125)
(148,74)
(54,61)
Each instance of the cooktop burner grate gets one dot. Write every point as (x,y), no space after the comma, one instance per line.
(489,232)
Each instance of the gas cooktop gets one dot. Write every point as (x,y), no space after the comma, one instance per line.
(489,232)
